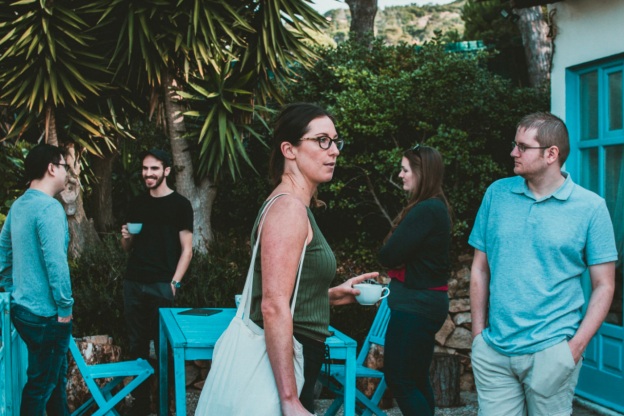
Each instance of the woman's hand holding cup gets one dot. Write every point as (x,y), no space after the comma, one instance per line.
(371,293)
(345,293)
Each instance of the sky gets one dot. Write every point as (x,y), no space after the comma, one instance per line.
(324,5)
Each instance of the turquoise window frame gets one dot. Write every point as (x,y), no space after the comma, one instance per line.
(606,137)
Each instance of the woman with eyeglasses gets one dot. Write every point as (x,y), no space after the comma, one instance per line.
(304,152)
(417,251)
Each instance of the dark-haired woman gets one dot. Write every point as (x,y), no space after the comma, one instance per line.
(417,250)
(305,149)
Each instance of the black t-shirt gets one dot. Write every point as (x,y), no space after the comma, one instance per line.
(156,249)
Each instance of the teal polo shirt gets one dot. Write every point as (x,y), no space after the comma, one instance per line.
(537,250)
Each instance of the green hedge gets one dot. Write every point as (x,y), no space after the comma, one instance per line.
(386,99)
(97,282)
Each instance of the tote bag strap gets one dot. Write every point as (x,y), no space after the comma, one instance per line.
(245,305)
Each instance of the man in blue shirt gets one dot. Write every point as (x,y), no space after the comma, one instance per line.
(33,267)
(534,237)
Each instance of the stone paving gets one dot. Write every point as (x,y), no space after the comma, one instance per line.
(469,408)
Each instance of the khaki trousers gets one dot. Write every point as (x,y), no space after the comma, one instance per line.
(540,384)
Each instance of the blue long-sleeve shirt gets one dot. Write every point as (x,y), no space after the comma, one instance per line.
(33,255)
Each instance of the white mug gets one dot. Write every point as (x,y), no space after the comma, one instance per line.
(370,293)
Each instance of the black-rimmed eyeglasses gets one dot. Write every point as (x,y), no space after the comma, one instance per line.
(325,142)
(523,147)
(65,165)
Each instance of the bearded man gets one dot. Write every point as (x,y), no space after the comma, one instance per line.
(160,250)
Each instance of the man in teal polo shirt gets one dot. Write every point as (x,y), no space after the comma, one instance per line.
(534,236)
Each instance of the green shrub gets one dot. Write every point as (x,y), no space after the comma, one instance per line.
(386,99)
(12,156)
(213,279)
(97,282)
(97,286)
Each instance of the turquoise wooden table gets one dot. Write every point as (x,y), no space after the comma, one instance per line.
(192,334)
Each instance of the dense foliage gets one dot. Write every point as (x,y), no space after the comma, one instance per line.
(386,99)
(11,168)
(486,21)
(97,283)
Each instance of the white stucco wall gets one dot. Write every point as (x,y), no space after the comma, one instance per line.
(587,30)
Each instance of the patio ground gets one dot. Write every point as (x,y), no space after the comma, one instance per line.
(470,408)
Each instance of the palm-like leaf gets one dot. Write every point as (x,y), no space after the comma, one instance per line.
(144,34)
(282,29)
(156,35)
(220,120)
(238,81)
(47,62)
(201,39)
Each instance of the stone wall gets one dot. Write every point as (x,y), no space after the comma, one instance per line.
(455,336)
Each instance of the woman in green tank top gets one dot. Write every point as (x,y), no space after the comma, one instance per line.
(304,152)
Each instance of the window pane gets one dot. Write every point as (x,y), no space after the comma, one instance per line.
(614,180)
(589,105)
(589,169)
(615,100)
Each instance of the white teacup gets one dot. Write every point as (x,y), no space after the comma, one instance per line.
(237,299)
(134,227)
(370,293)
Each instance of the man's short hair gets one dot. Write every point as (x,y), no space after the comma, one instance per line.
(38,160)
(551,131)
(161,155)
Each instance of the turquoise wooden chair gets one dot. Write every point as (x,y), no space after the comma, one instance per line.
(334,379)
(13,361)
(103,396)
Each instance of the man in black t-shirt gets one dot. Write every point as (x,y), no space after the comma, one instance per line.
(160,252)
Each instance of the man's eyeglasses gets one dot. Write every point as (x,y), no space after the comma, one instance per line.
(65,165)
(325,142)
(522,147)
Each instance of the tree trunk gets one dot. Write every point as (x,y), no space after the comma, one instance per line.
(202,195)
(50,134)
(81,230)
(537,45)
(102,207)
(444,374)
(97,349)
(375,360)
(362,19)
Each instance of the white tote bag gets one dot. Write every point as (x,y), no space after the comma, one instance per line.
(241,381)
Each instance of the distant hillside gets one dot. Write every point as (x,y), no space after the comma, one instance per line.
(412,24)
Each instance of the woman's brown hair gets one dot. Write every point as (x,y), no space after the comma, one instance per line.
(428,169)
